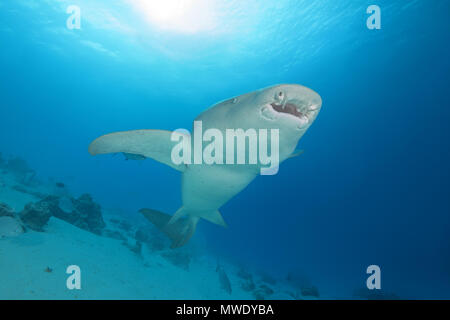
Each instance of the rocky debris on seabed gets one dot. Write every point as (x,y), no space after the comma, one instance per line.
(302,282)
(268,279)
(137,248)
(58,189)
(21,170)
(282,296)
(10,224)
(113,234)
(248,285)
(86,214)
(90,212)
(36,215)
(10,227)
(259,295)
(179,258)
(262,292)
(244,274)
(6,211)
(247,282)
(310,291)
(17,165)
(36,194)
(125,226)
(143,234)
(113,220)
(366,294)
(266,289)
(224,280)
(295,295)
(151,238)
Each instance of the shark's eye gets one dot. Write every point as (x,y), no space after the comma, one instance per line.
(279,96)
(230,101)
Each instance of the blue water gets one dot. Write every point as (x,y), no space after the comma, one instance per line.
(373,185)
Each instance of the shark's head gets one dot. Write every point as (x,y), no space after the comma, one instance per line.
(285,106)
(288,106)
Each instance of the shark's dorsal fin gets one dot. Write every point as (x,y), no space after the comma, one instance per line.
(155,144)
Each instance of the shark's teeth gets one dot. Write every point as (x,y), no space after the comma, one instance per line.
(287,108)
(290,108)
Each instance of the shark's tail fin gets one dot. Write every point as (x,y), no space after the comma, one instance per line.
(179,231)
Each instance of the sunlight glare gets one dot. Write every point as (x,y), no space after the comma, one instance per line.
(188,16)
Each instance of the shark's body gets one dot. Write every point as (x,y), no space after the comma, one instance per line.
(205,188)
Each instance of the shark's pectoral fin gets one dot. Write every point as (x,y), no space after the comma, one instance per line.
(155,144)
(179,232)
(216,218)
(296,153)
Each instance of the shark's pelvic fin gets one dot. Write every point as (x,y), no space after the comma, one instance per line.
(190,224)
(177,215)
(179,231)
(155,144)
(213,217)
(216,218)
(296,153)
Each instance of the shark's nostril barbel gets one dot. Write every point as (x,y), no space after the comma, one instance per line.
(314,107)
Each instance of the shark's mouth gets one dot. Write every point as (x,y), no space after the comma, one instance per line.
(302,112)
(288,108)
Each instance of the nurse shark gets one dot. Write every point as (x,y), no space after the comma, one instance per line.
(290,109)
